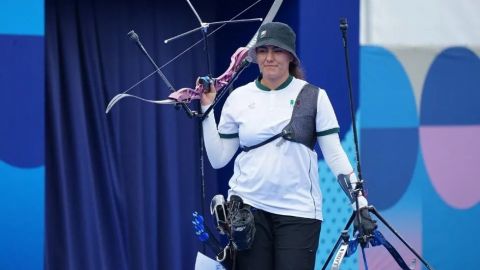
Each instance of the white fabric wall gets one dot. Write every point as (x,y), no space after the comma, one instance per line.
(432,23)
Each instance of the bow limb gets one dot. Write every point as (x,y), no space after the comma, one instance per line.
(235,62)
(118,97)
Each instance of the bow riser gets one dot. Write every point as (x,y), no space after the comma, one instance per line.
(188,94)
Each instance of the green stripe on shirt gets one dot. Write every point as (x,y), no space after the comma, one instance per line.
(328,132)
(228,136)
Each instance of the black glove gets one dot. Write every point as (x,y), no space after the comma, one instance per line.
(367,224)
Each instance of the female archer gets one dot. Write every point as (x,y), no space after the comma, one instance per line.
(276,121)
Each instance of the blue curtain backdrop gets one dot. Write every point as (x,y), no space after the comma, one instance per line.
(121,187)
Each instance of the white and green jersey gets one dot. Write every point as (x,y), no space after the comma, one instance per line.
(280,177)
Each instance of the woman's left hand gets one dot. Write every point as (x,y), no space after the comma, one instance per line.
(208,96)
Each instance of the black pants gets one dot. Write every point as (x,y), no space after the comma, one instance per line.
(281,243)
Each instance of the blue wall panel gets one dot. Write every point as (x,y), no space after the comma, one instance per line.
(22,173)
(22,17)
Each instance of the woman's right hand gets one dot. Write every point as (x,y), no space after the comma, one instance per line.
(208,96)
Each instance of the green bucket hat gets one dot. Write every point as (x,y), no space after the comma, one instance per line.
(276,34)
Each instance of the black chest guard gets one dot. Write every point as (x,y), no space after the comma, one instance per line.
(302,125)
(301,128)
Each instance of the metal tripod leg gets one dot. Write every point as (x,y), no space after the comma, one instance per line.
(349,223)
(374,211)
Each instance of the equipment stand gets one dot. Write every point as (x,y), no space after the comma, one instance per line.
(363,238)
(374,211)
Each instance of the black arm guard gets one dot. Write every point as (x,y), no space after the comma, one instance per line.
(344,181)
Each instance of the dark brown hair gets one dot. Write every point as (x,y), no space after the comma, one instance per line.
(296,70)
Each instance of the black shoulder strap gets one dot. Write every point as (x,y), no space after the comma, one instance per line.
(273,138)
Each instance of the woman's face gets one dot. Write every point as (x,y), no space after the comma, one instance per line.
(273,62)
